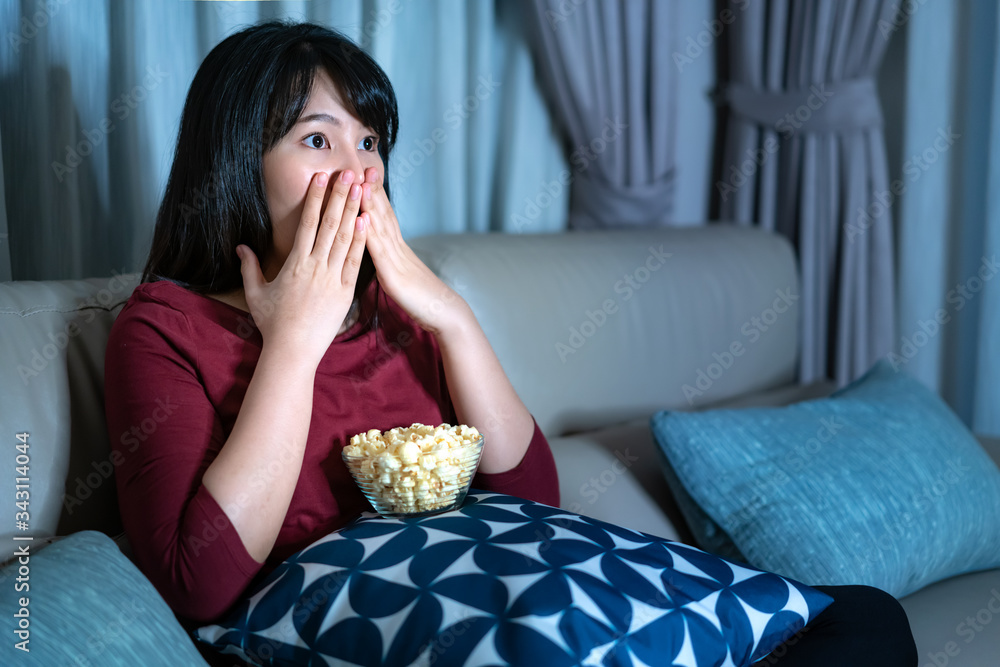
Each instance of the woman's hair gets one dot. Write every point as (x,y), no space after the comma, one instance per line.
(247,94)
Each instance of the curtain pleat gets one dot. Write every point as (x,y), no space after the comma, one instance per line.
(804,119)
(612,87)
(91,105)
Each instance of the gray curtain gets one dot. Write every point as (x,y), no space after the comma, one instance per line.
(607,66)
(805,155)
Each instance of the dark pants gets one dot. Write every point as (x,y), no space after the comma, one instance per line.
(864,626)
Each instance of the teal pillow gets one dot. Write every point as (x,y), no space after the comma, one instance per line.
(87,604)
(879,484)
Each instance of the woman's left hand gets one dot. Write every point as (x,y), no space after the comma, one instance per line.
(479,389)
(407,280)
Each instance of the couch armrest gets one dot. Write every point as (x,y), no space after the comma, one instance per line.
(53,335)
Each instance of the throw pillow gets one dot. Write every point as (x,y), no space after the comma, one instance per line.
(80,601)
(879,484)
(508,581)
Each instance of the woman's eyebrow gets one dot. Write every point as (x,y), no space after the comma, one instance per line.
(322,117)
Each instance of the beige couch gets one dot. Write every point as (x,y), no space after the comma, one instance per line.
(597,331)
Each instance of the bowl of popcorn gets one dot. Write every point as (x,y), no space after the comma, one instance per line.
(415,470)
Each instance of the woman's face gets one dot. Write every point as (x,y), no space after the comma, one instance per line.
(327,139)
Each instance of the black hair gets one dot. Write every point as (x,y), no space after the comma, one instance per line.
(247,94)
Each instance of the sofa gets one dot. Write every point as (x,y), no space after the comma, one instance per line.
(597,332)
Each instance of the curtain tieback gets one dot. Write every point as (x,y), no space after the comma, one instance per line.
(823,107)
(595,202)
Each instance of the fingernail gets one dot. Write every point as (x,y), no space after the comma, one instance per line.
(360,226)
(355,191)
(347,176)
(321,180)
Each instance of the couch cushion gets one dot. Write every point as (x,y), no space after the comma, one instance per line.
(956,622)
(881,484)
(53,335)
(615,474)
(622,329)
(87,604)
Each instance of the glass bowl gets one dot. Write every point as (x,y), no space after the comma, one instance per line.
(397,490)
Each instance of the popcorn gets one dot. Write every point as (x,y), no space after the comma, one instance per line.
(408,453)
(416,468)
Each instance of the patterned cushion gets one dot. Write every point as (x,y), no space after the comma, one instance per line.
(505,581)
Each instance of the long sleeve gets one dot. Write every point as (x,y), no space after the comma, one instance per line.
(534,478)
(165,432)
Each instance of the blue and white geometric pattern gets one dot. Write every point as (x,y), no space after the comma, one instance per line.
(506,581)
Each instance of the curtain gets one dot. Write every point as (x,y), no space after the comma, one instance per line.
(949,240)
(91,93)
(4,235)
(804,155)
(608,67)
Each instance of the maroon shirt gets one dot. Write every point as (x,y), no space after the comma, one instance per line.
(177,368)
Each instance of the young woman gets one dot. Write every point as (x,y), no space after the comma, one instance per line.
(281,312)
(260,341)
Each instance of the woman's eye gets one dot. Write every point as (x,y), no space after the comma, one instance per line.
(369,143)
(316,140)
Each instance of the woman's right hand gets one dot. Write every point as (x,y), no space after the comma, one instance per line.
(308,301)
